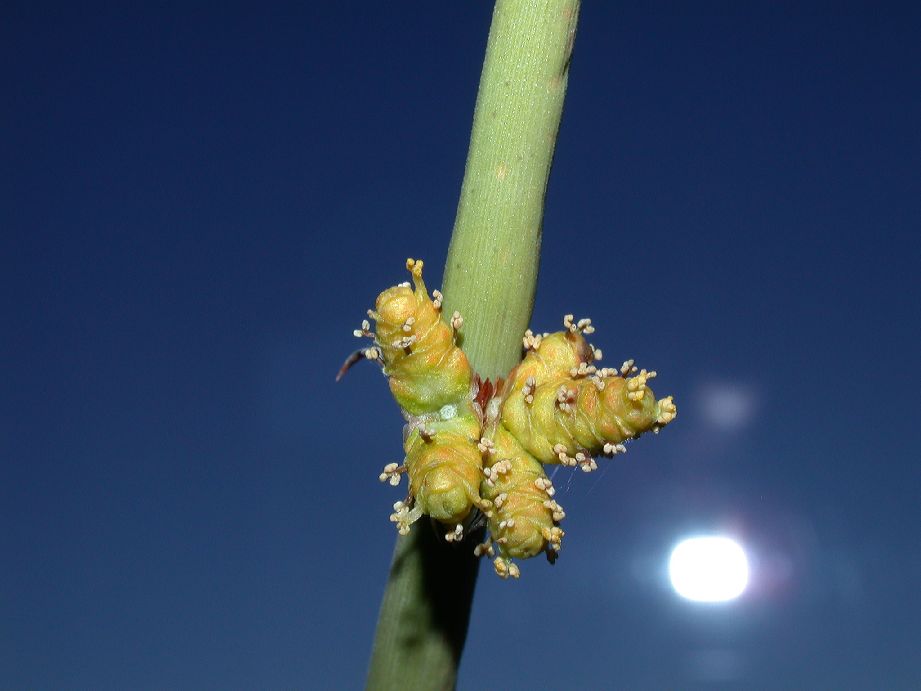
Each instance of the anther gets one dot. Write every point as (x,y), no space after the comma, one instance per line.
(561,454)
(501,567)
(583,370)
(404,342)
(364,331)
(391,474)
(485,506)
(556,511)
(530,384)
(530,341)
(583,325)
(637,385)
(587,463)
(544,484)
(667,410)
(483,548)
(565,397)
(415,267)
(495,471)
(456,535)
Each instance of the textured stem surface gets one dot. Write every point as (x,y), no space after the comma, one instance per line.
(491,273)
(490,277)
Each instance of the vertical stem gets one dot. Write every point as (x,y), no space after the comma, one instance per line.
(491,273)
(423,620)
(490,277)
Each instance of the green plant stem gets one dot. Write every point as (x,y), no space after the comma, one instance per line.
(491,272)
(490,277)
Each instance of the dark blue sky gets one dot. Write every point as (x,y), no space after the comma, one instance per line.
(199,204)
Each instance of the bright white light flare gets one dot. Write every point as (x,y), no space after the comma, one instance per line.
(708,569)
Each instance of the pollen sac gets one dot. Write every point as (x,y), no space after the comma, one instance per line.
(524,517)
(445,468)
(563,409)
(432,382)
(425,367)
(557,353)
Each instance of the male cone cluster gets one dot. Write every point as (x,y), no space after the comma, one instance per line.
(469,455)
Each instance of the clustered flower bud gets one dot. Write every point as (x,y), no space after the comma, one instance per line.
(466,455)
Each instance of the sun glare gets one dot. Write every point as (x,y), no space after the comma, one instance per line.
(708,569)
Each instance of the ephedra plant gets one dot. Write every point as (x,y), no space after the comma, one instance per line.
(487,402)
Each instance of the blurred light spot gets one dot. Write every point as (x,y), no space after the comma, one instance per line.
(708,569)
(728,406)
(716,665)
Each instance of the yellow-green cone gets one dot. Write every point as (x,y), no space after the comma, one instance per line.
(467,449)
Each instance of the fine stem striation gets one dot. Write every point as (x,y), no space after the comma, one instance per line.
(491,272)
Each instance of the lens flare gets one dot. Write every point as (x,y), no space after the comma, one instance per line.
(708,568)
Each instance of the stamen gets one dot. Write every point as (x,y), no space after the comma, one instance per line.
(565,397)
(392,473)
(530,384)
(530,341)
(404,342)
(667,410)
(456,535)
(484,548)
